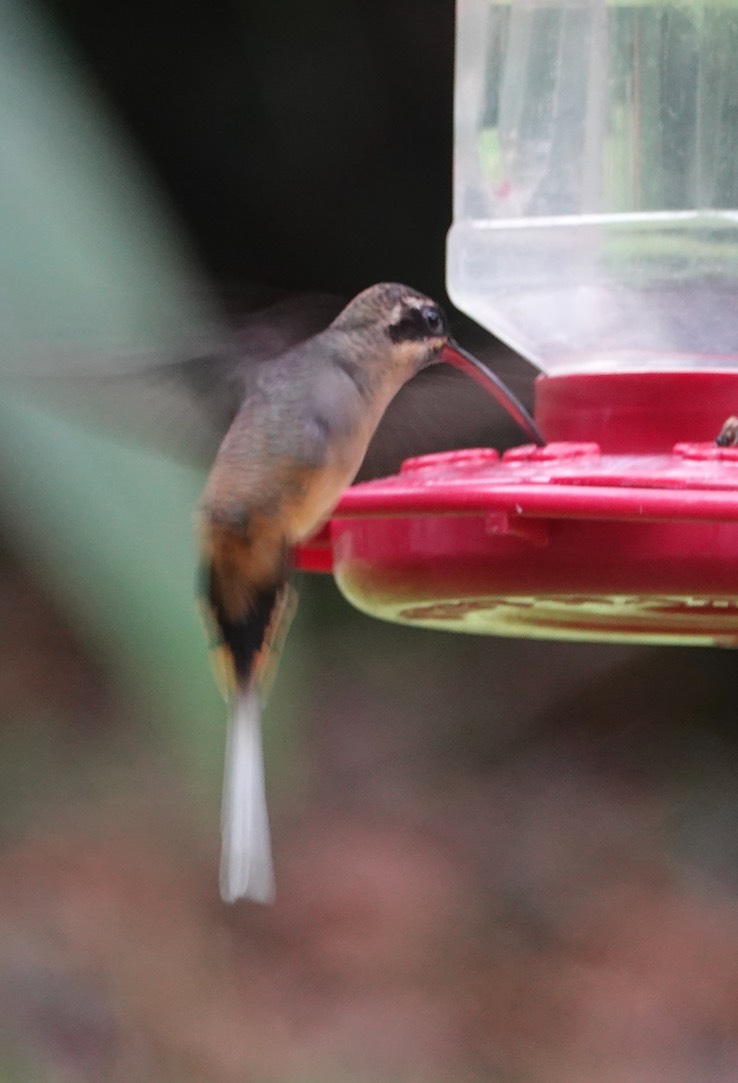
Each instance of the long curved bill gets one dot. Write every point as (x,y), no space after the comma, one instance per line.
(453,354)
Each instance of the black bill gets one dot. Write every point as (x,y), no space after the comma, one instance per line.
(466,362)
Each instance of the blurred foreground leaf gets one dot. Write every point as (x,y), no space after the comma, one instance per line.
(112,530)
(91,266)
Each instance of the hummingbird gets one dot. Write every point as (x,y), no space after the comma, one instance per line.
(296,442)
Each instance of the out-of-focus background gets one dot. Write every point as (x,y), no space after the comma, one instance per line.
(496,860)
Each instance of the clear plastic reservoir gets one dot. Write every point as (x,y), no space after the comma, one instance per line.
(596,181)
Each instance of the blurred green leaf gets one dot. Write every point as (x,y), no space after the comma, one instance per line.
(112,530)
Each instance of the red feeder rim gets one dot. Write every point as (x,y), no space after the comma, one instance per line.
(632,537)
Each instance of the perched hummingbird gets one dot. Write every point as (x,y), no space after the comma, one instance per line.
(296,442)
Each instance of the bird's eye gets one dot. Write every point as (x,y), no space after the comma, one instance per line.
(432,319)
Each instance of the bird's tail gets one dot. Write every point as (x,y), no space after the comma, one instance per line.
(246,636)
(246,859)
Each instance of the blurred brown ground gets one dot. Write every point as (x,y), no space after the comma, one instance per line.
(552,899)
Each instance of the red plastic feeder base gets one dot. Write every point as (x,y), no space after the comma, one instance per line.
(637,544)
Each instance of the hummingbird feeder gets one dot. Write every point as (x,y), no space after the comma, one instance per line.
(596,232)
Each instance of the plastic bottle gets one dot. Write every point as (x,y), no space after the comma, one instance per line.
(596,172)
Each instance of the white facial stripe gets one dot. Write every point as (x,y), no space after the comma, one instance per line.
(401,307)
(397,311)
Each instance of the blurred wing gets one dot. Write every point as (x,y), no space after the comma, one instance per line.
(184,407)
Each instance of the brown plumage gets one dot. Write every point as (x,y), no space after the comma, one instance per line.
(297,441)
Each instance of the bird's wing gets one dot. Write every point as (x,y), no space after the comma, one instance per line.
(184,407)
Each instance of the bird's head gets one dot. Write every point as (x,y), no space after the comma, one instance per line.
(412,329)
(411,326)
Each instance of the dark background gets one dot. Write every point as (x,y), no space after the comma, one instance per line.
(304,147)
(497,860)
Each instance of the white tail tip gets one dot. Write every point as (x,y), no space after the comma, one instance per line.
(246,859)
